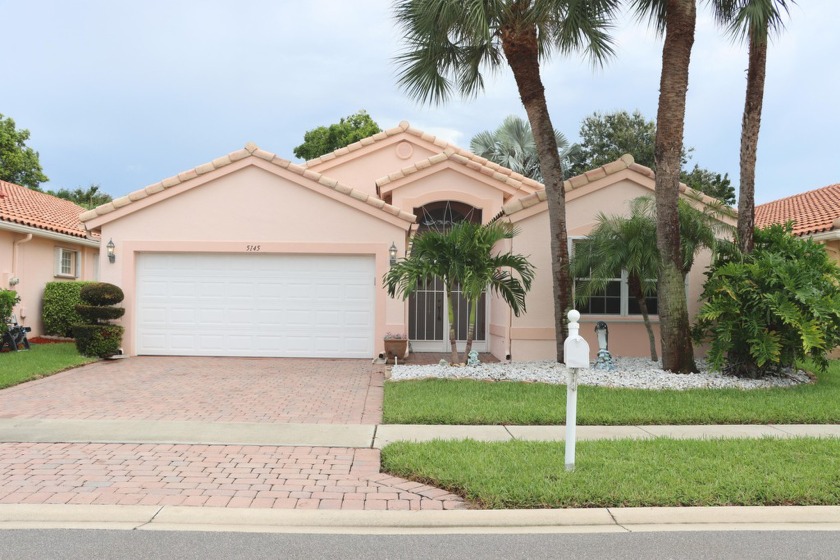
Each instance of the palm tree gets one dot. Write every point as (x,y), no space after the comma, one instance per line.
(676,20)
(619,242)
(462,256)
(512,145)
(450,42)
(752,21)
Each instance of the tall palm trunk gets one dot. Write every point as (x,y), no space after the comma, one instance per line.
(635,285)
(450,308)
(677,350)
(749,140)
(522,53)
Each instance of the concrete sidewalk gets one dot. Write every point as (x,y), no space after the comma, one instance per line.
(19,430)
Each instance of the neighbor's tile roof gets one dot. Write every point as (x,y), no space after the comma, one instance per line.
(812,211)
(249,150)
(624,162)
(26,207)
(451,150)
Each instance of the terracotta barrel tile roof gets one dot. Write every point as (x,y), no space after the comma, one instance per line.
(26,207)
(812,211)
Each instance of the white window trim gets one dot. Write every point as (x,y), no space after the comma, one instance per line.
(624,303)
(75,263)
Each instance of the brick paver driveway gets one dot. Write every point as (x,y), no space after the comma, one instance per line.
(206,389)
(210,390)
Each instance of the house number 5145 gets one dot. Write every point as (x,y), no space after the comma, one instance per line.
(252,248)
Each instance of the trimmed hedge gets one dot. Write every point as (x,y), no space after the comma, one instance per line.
(101,293)
(100,341)
(60,301)
(94,313)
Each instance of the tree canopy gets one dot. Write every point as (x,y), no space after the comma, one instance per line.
(605,137)
(19,163)
(325,139)
(90,197)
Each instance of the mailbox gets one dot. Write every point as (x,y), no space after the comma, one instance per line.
(575,348)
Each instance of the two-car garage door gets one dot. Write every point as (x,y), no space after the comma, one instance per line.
(213,304)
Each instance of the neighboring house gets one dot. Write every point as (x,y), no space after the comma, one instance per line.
(252,255)
(815,214)
(41,240)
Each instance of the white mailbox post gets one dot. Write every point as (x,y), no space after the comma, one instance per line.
(576,353)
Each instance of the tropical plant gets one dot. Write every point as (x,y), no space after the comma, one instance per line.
(512,145)
(8,300)
(675,19)
(751,21)
(769,308)
(89,198)
(462,256)
(450,43)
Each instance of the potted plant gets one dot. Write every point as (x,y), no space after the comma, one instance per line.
(396,346)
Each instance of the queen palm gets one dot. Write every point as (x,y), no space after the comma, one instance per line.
(512,145)
(752,21)
(463,256)
(451,42)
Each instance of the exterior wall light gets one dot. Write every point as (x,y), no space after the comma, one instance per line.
(111,256)
(392,251)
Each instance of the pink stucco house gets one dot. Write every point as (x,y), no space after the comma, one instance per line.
(252,255)
(41,240)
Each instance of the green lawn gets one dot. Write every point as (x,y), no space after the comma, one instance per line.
(439,401)
(626,473)
(40,361)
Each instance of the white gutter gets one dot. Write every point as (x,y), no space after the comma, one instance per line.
(15,254)
(28,230)
(826,235)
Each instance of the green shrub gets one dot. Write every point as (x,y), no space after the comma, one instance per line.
(772,307)
(100,341)
(60,301)
(95,313)
(8,299)
(101,293)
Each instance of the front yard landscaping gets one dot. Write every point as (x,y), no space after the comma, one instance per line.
(441,401)
(42,360)
(626,473)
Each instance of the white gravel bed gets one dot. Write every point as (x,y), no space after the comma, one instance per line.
(637,373)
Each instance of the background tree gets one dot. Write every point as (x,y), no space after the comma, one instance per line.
(608,136)
(450,43)
(19,163)
(463,256)
(91,197)
(512,145)
(325,139)
(675,19)
(752,21)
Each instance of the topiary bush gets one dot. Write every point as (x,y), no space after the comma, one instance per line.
(768,309)
(60,301)
(8,299)
(97,337)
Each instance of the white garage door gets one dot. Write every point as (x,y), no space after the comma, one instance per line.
(214,304)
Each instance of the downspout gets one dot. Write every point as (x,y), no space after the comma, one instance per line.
(15,279)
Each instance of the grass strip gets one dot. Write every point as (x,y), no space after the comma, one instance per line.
(626,473)
(42,360)
(443,401)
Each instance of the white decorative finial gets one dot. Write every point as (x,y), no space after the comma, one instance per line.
(574,327)
(574,316)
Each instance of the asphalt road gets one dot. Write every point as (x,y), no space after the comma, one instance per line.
(119,545)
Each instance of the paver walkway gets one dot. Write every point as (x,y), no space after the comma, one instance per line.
(208,475)
(286,390)
(222,394)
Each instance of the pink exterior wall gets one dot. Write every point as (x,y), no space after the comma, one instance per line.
(531,336)
(35,267)
(254,204)
(376,161)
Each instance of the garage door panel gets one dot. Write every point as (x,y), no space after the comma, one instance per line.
(255,305)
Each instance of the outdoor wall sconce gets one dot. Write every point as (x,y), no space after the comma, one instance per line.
(111,256)
(392,251)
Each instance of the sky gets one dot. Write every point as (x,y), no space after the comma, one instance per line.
(125,94)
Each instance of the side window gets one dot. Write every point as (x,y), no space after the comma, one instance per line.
(66,263)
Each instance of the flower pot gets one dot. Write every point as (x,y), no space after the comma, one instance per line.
(396,349)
